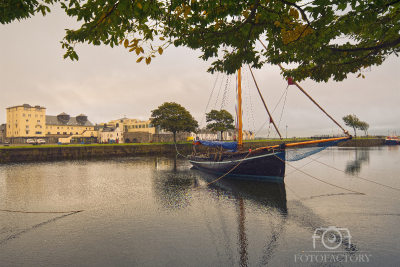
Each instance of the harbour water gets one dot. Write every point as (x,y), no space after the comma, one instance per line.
(158,211)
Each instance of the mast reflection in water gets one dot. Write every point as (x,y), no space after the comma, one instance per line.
(157,211)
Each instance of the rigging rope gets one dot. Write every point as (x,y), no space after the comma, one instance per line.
(216,101)
(273,110)
(283,107)
(209,100)
(225,96)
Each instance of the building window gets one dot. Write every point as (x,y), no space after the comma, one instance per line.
(26,126)
(27,120)
(41,116)
(58,127)
(38,109)
(71,133)
(36,115)
(29,115)
(58,132)
(27,108)
(48,133)
(38,132)
(76,132)
(65,133)
(23,114)
(27,132)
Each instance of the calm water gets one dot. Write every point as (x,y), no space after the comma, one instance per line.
(159,212)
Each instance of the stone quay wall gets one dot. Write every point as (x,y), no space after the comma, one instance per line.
(75,152)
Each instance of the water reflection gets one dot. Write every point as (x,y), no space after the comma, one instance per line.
(263,195)
(266,197)
(353,167)
(172,182)
(160,212)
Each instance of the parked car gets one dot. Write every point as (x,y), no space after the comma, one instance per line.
(30,141)
(41,141)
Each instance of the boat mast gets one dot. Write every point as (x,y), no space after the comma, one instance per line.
(304,92)
(239,99)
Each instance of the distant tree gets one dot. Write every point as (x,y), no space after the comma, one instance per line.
(364,127)
(173,118)
(353,122)
(221,121)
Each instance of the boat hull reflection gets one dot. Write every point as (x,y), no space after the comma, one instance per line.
(270,195)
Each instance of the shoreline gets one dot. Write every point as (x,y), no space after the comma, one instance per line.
(38,153)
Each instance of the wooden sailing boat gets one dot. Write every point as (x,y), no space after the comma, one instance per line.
(264,163)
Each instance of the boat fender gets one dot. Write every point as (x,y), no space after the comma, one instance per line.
(282,146)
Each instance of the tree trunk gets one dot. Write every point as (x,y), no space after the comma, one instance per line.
(174,137)
(222,137)
(355,134)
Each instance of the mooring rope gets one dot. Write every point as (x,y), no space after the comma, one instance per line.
(320,179)
(225,173)
(177,152)
(356,175)
(306,163)
(23,211)
(340,171)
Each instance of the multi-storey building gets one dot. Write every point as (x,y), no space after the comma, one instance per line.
(25,121)
(64,124)
(134,125)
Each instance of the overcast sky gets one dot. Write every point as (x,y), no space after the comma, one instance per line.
(107,83)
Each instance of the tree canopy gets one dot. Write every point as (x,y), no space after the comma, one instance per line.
(321,39)
(173,118)
(221,121)
(364,127)
(354,122)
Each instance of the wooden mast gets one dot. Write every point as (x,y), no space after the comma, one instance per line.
(259,92)
(239,110)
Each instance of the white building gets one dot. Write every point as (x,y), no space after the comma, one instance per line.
(111,135)
(204,134)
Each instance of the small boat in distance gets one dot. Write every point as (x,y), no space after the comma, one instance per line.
(392,140)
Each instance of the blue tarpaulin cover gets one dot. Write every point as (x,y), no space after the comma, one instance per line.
(226,145)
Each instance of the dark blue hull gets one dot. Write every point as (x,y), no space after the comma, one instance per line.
(391,142)
(264,165)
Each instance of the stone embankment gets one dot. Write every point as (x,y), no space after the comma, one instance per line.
(63,152)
